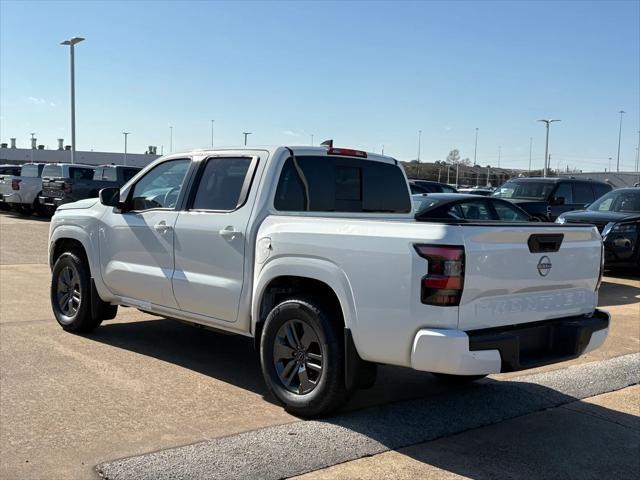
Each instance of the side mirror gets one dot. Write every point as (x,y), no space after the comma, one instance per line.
(110,196)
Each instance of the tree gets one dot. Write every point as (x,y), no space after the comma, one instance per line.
(453,157)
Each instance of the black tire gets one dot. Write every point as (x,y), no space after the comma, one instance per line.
(38,208)
(25,210)
(457,379)
(71,294)
(320,340)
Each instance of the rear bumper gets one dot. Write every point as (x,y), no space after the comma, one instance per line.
(507,349)
(52,201)
(11,198)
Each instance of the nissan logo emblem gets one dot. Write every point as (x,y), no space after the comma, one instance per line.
(544,266)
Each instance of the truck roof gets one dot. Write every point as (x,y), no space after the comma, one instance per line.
(297,150)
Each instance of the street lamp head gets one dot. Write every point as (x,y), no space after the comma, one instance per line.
(72,41)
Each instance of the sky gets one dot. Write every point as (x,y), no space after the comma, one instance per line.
(365,74)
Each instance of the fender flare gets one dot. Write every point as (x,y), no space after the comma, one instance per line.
(89,241)
(307,267)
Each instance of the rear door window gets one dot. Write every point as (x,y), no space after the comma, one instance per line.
(222,186)
(601,189)
(30,170)
(564,191)
(582,193)
(110,174)
(76,173)
(508,213)
(97,173)
(52,171)
(476,211)
(341,184)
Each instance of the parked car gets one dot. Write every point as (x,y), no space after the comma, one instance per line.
(314,253)
(458,206)
(546,198)
(483,192)
(617,216)
(66,183)
(7,171)
(20,192)
(427,186)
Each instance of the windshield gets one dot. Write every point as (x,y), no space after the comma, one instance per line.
(531,190)
(615,201)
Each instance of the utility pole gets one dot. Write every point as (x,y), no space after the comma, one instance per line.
(546,146)
(475,149)
(212,122)
(33,135)
(126,134)
(530,148)
(621,112)
(246,134)
(72,43)
(170,139)
(419,141)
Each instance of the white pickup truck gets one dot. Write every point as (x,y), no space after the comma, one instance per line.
(21,192)
(314,253)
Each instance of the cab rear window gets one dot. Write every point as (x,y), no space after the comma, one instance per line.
(341,184)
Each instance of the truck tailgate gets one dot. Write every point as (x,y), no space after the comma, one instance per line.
(53,187)
(521,274)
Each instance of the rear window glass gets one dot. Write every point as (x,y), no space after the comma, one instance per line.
(582,193)
(533,190)
(76,173)
(110,174)
(10,170)
(341,184)
(129,173)
(52,171)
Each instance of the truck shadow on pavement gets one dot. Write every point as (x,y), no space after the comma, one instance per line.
(491,429)
(618,294)
(232,359)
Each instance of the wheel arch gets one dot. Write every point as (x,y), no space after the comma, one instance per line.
(285,277)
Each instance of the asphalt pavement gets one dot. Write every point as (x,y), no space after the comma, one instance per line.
(140,384)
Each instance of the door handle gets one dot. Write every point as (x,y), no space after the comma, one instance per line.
(229,233)
(162,227)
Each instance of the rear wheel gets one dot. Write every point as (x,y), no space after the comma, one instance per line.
(302,357)
(25,210)
(71,294)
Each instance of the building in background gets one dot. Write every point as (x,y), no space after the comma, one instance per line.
(10,153)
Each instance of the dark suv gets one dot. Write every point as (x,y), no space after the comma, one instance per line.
(428,186)
(546,198)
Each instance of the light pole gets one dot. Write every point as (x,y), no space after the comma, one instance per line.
(312,139)
(170,139)
(610,158)
(72,43)
(530,148)
(33,135)
(546,146)
(638,158)
(212,122)
(475,149)
(246,134)
(419,141)
(126,134)
(621,112)
(499,155)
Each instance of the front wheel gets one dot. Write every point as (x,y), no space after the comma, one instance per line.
(71,294)
(302,357)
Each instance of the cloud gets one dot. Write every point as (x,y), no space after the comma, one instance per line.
(36,101)
(291,133)
(40,101)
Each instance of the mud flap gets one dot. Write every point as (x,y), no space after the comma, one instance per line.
(358,373)
(101,310)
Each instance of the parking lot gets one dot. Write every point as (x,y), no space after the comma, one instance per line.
(140,384)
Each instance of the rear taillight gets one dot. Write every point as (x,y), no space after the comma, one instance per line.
(15,184)
(67,187)
(444,281)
